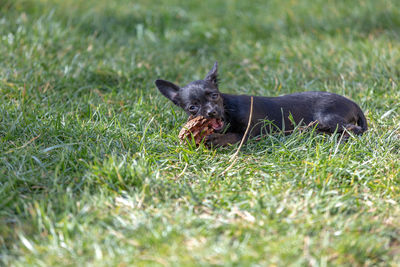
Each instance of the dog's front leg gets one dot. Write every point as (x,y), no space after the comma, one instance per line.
(217,140)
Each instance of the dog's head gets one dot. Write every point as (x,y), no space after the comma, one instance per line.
(198,98)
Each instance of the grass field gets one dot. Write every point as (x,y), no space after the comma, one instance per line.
(91,168)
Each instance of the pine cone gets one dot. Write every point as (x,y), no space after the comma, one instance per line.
(198,128)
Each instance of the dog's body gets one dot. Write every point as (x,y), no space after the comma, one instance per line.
(331,112)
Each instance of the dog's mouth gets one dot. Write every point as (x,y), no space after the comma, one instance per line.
(217,124)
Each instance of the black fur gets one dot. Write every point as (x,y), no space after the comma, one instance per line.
(330,111)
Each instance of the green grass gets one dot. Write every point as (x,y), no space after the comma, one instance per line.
(91,168)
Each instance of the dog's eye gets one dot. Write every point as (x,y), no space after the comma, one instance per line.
(192,108)
(214,96)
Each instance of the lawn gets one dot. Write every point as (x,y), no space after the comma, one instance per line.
(91,168)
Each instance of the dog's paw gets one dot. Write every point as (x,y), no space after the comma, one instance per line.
(214,140)
(218,140)
(354,128)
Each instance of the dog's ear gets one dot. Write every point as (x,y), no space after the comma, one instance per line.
(169,90)
(212,76)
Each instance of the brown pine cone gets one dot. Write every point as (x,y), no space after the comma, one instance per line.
(198,128)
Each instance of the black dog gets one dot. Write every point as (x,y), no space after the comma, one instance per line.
(331,112)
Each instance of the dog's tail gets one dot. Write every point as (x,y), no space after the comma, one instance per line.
(362,121)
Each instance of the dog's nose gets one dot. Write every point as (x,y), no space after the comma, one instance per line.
(212,113)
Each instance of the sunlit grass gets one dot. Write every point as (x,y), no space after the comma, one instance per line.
(91,168)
